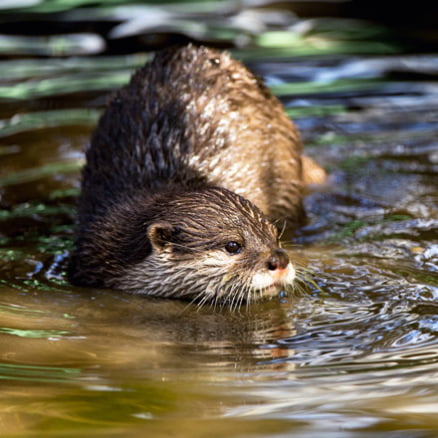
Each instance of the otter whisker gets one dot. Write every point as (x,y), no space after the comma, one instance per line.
(235,292)
(242,296)
(245,295)
(232,292)
(304,271)
(196,300)
(288,246)
(283,229)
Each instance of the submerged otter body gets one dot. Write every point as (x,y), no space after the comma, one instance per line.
(188,166)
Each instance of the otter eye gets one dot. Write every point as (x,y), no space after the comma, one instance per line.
(233,247)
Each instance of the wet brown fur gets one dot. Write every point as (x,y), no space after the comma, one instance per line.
(176,167)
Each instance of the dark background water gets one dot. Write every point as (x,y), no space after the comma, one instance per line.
(355,355)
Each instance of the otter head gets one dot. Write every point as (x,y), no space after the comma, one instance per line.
(209,245)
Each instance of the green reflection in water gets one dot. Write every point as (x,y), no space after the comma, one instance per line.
(342,85)
(32,174)
(64,193)
(348,230)
(420,276)
(6,309)
(64,85)
(31,209)
(298,44)
(48,119)
(57,284)
(330,138)
(11,255)
(350,164)
(25,68)
(32,333)
(315,111)
(53,245)
(37,373)
(56,45)
(48,6)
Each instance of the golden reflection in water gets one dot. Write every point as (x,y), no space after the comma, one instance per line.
(75,358)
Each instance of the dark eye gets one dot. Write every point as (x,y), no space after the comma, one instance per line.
(233,247)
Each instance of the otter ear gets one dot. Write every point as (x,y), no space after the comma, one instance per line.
(161,234)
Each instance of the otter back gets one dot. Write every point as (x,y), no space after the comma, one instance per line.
(194,116)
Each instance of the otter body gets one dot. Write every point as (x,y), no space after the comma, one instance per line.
(188,166)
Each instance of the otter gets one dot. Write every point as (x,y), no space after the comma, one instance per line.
(187,171)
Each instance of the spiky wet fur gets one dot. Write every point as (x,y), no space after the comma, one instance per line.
(166,170)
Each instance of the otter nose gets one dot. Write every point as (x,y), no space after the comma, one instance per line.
(278,260)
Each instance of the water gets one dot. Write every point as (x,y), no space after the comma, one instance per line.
(353,355)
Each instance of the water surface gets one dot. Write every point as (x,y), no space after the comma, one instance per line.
(353,355)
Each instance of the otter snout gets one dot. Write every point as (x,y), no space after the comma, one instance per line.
(278,260)
(278,273)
